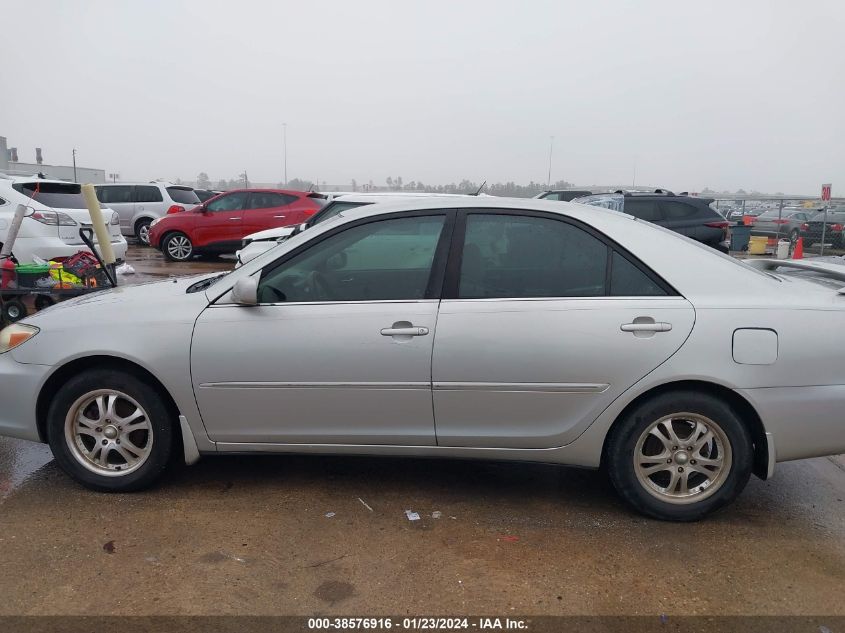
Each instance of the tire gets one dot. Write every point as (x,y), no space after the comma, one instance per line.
(108,401)
(13,311)
(177,247)
(43,301)
(729,455)
(142,231)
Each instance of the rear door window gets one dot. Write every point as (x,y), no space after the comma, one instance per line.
(678,211)
(510,256)
(269,199)
(647,210)
(148,193)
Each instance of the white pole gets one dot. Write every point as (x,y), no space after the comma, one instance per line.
(100,227)
(12,235)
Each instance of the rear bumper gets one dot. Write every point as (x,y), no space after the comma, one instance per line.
(19,387)
(803,421)
(26,248)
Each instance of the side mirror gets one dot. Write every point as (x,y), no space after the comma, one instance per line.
(245,291)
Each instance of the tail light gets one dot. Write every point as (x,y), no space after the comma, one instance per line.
(718,225)
(175,209)
(805,227)
(836,227)
(53,218)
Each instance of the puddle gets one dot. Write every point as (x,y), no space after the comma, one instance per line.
(20,461)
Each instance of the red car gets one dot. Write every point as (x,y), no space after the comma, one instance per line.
(220,223)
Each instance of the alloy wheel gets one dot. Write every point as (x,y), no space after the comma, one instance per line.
(108,432)
(682,458)
(179,247)
(144,234)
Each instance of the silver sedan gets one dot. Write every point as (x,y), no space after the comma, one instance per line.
(481,328)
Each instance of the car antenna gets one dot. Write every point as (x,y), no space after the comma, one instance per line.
(478,191)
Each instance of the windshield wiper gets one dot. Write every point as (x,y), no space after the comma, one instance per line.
(205,283)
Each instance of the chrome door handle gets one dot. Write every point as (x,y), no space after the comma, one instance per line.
(279,216)
(645,327)
(404,331)
(236,219)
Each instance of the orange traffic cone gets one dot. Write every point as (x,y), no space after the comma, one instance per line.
(798,253)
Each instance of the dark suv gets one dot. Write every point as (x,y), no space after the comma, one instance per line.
(687,215)
(564,195)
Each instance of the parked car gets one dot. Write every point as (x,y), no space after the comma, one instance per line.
(219,225)
(448,328)
(833,234)
(786,223)
(138,204)
(206,194)
(256,243)
(688,215)
(564,195)
(57,212)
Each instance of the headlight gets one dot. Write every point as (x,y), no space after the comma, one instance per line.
(53,218)
(115,218)
(14,335)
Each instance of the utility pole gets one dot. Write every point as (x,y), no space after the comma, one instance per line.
(551,147)
(285,129)
(74,166)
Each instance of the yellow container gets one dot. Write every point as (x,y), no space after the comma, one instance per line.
(757,245)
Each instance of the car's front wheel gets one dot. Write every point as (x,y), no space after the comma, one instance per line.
(110,431)
(679,456)
(177,247)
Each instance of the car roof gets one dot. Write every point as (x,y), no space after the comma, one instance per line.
(399,197)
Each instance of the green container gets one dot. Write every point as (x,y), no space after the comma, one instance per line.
(29,274)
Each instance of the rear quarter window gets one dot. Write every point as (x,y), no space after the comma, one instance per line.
(682,211)
(183,195)
(647,210)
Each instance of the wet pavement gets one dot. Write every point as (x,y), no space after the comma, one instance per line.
(330,535)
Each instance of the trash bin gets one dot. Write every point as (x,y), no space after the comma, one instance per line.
(740,235)
(757,245)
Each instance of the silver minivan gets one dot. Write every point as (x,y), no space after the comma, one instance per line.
(138,204)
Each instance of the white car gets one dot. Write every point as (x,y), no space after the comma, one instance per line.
(262,241)
(56,213)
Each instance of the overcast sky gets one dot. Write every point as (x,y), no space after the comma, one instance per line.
(724,94)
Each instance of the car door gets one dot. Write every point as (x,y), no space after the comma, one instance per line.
(544,322)
(267,210)
(221,224)
(338,351)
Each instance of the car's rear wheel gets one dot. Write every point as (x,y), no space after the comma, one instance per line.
(110,431)
(142,231)
(679,456)
(177,247)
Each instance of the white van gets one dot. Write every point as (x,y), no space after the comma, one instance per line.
(56,212)
(138,204)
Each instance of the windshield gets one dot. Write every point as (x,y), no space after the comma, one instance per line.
(57,195)
(185,195)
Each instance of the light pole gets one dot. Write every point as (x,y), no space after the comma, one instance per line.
(551,147)
(74,166)
(285,131)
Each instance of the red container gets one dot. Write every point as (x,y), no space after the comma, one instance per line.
(8,275)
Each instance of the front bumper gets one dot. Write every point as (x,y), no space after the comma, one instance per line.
(20,385)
